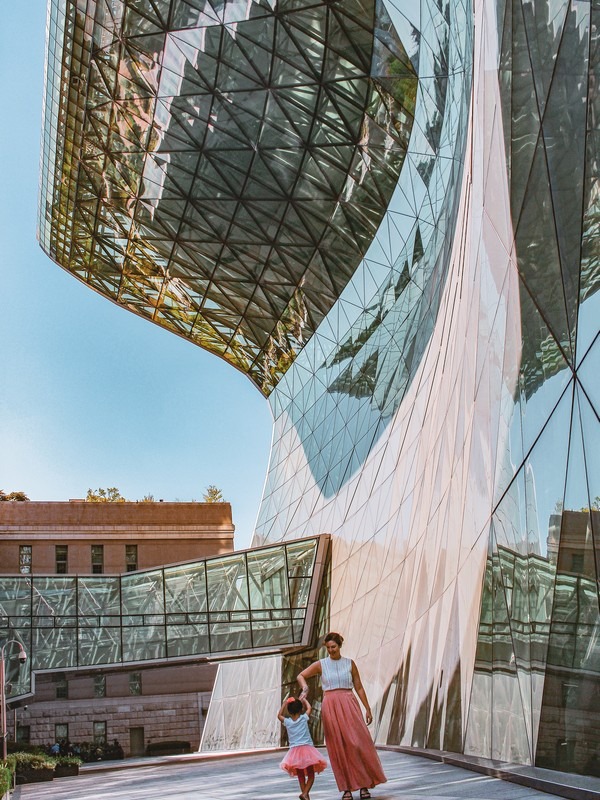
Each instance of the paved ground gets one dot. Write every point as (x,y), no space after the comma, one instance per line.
(255,776)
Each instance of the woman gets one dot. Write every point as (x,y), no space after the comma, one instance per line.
(351,751)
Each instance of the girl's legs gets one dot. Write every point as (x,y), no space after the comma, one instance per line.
(309,781)
(302,782)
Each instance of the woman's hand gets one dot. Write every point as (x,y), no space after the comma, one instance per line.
(369,717)
(304,693)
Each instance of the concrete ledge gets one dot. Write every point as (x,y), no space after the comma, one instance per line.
(563,784)
(160,761)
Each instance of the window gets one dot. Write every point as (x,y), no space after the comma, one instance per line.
(61,732)
(62,687)
(135,683)
(99,685)
(97,559)
(25,559)
(99,732)
(131,557)
(60,554)
(23,734)
(577,562)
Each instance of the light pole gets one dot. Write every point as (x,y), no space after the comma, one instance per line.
(22,660)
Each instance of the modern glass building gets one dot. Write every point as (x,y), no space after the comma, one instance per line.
(386,214)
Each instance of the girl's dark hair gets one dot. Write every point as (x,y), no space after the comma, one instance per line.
(335,637)
(294,706)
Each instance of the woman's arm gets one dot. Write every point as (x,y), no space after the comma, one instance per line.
(359,689)
(313,669)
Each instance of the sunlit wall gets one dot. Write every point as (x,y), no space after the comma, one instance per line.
(443,422)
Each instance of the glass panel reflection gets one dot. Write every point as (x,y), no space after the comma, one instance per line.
(185,588)
(267,574)
(99,595)
(227,583)
(142,593)
(53,596)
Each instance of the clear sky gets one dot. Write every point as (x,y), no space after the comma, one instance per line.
(91,395)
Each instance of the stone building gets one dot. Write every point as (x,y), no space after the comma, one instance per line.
(137,706)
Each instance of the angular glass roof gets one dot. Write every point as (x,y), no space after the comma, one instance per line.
(246,603)
(221,167)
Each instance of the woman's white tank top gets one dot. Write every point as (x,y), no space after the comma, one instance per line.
(336,674)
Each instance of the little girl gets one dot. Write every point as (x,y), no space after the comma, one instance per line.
(302,759)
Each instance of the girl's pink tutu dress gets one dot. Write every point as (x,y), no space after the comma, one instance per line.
(302,753)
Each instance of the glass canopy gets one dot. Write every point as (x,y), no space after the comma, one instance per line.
(221,168)
(250,602)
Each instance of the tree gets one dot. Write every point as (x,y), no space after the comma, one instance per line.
(213,495)
(20,496)
(110,495)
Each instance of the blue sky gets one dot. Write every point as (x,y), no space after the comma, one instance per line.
(90,394)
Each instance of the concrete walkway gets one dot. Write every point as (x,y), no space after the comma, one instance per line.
(254,776)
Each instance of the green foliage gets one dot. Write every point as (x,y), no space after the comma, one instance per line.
(213,495)
(6,779)
(20,496)
(110,495)
(594,507)
(24,762)
(68,761)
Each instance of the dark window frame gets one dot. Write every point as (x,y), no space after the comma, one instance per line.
(97,555)
(99,738)
(25,564)
(131,557)
(61,564)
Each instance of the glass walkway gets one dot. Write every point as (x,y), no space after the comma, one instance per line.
(246,603)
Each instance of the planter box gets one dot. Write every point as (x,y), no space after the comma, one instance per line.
(35,775)
(66,770)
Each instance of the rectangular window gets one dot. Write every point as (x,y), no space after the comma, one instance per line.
(99,685)
(61,732)
(97,559)
(23,734)
(131,557)
(135,683)
(25,559)
(62,687)
(99,732)
(577,562)
(60,554)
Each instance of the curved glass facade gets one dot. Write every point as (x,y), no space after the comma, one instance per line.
(221,168)
(443,422)
(433,363)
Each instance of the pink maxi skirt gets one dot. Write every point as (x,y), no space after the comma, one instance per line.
(303,756)
(351,751)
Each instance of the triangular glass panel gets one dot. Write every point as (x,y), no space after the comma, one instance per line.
(544,36)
